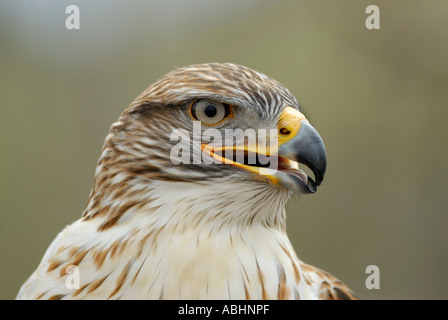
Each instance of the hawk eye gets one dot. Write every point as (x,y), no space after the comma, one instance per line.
(209,112)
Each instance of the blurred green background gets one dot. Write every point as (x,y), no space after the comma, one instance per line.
(379,98)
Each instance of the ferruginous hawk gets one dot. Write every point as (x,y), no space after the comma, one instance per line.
(179,214)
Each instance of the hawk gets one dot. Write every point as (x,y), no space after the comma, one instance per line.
(161,224)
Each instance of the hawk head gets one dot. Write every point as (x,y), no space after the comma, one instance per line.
(189,196)
(209,131)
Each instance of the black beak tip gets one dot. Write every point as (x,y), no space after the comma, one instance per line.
(319,172)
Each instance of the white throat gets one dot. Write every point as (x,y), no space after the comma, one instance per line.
(222,246)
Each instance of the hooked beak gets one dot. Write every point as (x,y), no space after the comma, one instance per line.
(306,148)
(298,142)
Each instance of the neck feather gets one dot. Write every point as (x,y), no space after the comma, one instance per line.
(190,204)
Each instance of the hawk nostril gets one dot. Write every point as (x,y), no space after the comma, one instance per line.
(284,131)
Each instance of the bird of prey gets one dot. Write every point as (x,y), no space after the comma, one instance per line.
(161,224)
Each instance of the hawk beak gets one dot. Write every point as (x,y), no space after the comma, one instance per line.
(307,148)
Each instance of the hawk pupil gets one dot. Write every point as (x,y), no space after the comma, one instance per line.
(210,111)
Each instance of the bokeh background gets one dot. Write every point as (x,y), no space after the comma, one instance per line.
(379,98)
